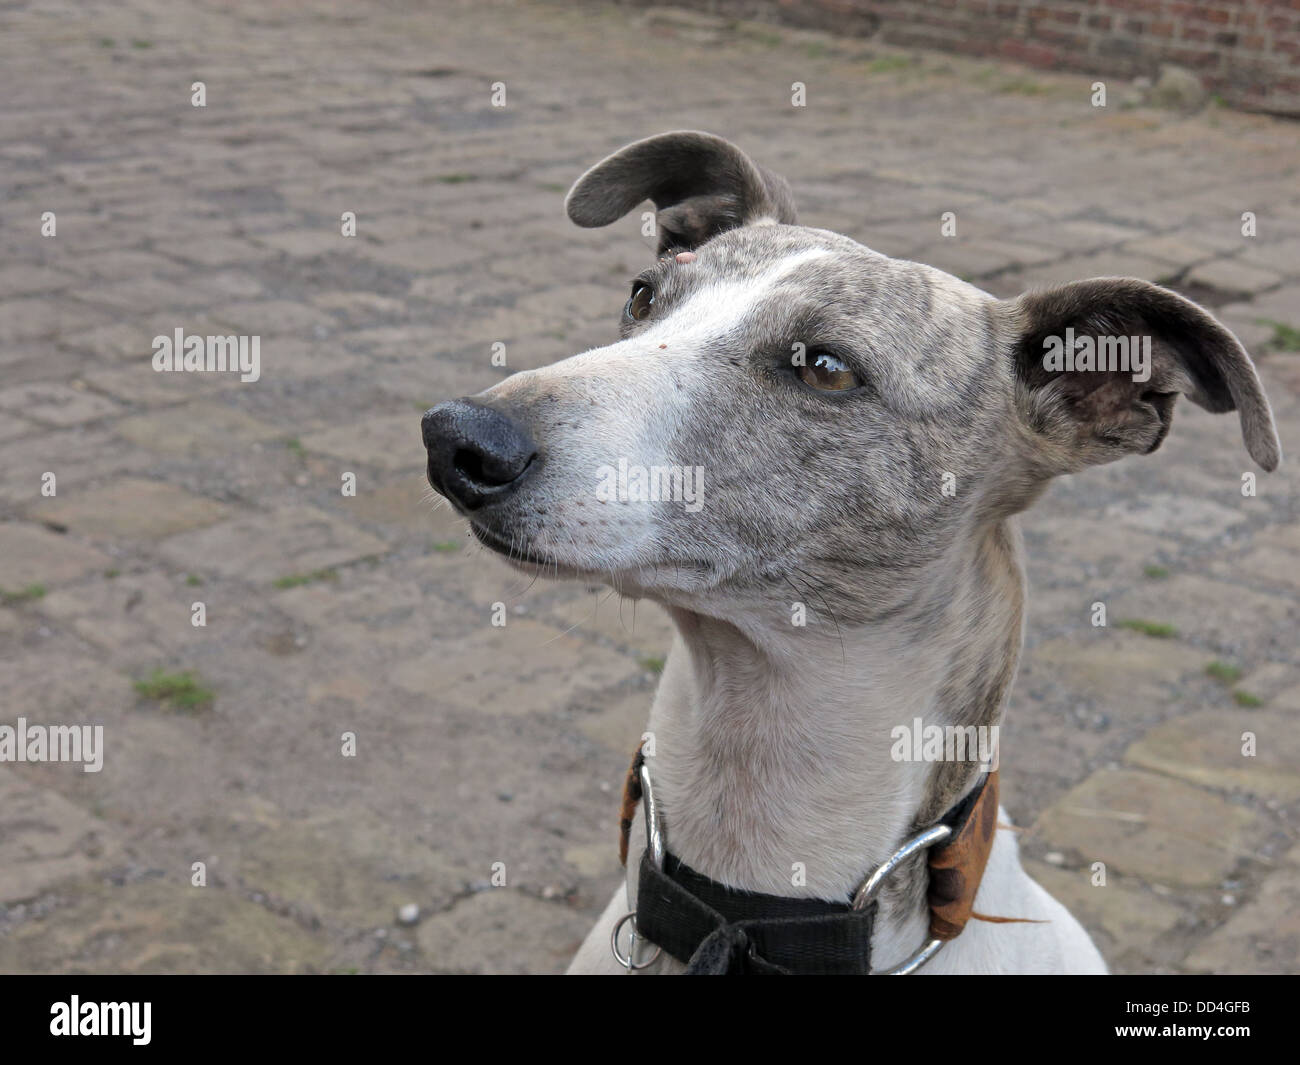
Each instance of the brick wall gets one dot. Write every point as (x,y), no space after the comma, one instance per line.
(1247,51)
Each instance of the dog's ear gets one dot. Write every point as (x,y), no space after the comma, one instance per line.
(700,185)
(1079,412)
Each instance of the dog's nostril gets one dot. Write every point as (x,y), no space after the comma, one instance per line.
(492,469)
(469,464)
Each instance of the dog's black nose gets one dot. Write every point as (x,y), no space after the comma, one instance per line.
(476,453)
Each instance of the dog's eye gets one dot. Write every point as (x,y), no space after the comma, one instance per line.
(641,302)
(826,372)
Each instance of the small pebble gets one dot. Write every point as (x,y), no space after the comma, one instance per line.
(408,914)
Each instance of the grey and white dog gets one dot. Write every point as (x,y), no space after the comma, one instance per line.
(867,428)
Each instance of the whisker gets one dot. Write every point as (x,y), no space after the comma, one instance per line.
(838,631)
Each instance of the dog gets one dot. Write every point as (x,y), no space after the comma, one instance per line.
(867,429)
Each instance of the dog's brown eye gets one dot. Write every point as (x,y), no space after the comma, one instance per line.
(641,302)
(828,373)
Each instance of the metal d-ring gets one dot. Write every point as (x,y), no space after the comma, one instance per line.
(654,829)
(871,887)
(630,963)
(655,846)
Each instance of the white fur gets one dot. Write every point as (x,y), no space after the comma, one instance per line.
(786,739)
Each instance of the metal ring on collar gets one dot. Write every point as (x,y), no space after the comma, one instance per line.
(871,887)
(629,962)
(654,829)
(655,846)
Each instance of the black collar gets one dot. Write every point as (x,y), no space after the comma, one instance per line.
(716,929)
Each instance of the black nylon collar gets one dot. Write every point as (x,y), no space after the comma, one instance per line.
(717,930)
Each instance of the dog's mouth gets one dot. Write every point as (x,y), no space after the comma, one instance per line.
(689,574)
(515,551)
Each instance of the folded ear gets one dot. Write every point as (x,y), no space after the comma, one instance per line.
(1085,403)
(700,185)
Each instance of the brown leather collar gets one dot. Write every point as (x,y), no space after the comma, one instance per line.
(956,866)
(631,796)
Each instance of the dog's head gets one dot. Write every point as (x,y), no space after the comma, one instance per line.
(785,402)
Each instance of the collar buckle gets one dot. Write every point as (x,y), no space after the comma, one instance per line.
(870,887)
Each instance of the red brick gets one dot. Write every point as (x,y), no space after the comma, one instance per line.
(1243,48)
(1028,52)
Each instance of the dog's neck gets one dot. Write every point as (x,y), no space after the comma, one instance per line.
(772,743)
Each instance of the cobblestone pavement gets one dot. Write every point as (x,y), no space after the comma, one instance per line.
(329,614)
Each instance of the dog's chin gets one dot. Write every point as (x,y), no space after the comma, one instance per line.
(523,557)
(644,581)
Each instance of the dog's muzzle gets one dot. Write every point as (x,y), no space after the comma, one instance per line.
(477,454)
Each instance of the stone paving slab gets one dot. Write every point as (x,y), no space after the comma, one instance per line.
(130,508)
(1144,825)
(284,544)
(453,941)
(33,556)
(193,429)
(47,838)
(155,927)
(369,616)
(1131,924)
(1263,936)
(552,667)
(57,406)
(1244,751)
